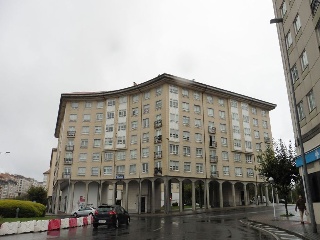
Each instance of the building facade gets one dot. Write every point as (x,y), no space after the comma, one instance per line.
(136,146)
(299,37)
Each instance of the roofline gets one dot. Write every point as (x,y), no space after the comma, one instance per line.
(159,80)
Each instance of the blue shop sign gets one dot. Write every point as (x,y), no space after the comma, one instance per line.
(119,176)
(311,156)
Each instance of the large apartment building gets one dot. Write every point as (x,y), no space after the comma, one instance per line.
(299,38)
(132,145)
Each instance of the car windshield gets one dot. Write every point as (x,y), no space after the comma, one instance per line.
(105,208)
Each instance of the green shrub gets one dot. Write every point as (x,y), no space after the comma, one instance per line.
(8,208)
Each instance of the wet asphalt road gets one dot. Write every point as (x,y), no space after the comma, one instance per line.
(213,225)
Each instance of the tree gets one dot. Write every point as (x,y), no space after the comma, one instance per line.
(37,194)
(278,162)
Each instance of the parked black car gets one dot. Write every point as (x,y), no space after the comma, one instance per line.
(110,215)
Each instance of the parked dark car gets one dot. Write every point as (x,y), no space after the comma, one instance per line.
(110,215)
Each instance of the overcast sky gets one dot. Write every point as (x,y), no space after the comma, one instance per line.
(53,47)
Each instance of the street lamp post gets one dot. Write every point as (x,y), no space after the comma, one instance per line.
(298,129)
(271,181)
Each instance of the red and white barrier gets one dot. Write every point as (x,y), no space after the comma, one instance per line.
(64,223)
(54,224)
(41,225)
(9,228)
(72,222)
(80,221)
(25,227)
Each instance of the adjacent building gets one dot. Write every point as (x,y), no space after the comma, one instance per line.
(138,145)
(299,37)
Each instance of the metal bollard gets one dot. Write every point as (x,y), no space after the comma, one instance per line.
(17,212)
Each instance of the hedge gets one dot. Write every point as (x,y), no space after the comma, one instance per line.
(27,209)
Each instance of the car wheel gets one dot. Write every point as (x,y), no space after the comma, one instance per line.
(95,225)
(116,224)
(75,214)
(128,221)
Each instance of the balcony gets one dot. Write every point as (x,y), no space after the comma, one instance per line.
(66,175)
(158,155)
(71,133)
(157,171)
(214,174)
(314,6)
(213,159)
(68,161)
(157,123)
(69,147)
(158,139)
(213,144)
(212,130)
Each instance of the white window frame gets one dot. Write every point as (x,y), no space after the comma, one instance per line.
(107,170)
(311,100)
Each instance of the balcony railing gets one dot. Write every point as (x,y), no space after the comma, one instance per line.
(212,130)
(157,123)
(214,174)
(68,161)
(314,6)
(158,139)
(158,155)
(213,159)
(213,144)
(157,171)
(71,133)
(69,147)
(249,174)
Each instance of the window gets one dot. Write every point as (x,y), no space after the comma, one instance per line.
(244,106)
(283,8)
(145,123)
(186,135)
(99,116)
(186,120)
(174,149)
(88,105)
(147,95)
(73,117)
(108,156)
(297,23)
(236,129)
(145,167)
(132,169)
(121,155)
(84,143)
(256,134)
(108,141)
(122,99)
(300,111)
(174,133)
(237,157)
(120,169)
(197,123)
(133,154)
(96,156)
(97,130)
(254,111)
(209,99)
(224,142)
(187,166)
(173,89)
(222,114)
(111,102)
(255,122)
(263,113)
(85,130)
(145,152)
(135,111)
(199,152)
(174,165)
(158,91)
(249,158)
(210,112)
(247,131)
(74,105)
(109,128)
(245,118)
(196,95)
(96,142)
(288,40)
(248,144)
(264,124)
(135,98)
(250,172)
(225,156)
(197,109)
(186,151)
(199,167)
(223,127)
(174,117)
(311,101)
(81,171)
(185,107)
(82,157)
(122,126)
(134,139)
(198,137)
(185,93)
(145,137)
(258,147)
(94,171)
(237,143)
(107,170)
(304,60)
(110,115)
(158,104)
(235,116)
(234,104)
(122,113)
(121,140)
(174,103)
(226,170)
(100,104)
(134,125)
(221,102)
(146,108)
(238,171)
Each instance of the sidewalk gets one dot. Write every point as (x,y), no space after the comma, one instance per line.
(288,224)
